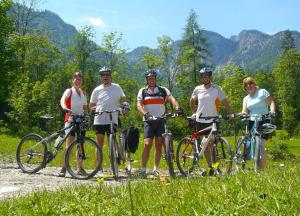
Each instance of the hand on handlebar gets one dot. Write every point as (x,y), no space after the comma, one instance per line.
(68,110)
(179,111)
(149,117)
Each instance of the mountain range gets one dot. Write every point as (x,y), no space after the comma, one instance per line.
(252,49)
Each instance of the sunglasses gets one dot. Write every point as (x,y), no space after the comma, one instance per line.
(249,84)
(105,74)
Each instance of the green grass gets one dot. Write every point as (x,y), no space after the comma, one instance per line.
(274,191)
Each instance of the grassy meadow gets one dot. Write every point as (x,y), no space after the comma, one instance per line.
(274,191)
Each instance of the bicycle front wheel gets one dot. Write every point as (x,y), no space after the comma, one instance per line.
(222,155)
(185,156)
(82,158)
(257,151)
(169,155)
(113,156)
(240,154)
(31,153)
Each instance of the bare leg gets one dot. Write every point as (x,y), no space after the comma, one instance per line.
(158,148)
(263,162)
(146,151)
(100,142)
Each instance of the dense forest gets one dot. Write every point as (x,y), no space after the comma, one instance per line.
(34,70)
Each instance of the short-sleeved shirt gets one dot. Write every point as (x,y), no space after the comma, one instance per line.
(74,101)
(153,103)
(257,104)
(106,99)
(209,101)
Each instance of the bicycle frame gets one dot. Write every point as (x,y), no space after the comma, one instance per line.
(254,138)
(114,149)
(211,136)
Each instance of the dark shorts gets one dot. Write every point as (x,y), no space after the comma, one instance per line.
(104,129)
(201,126)
(153,129)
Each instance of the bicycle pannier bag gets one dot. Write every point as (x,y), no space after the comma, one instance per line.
(132,139)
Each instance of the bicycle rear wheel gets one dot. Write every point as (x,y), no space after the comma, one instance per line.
(185,156)
(169,155)
(31,153)
(82,158)
(113,156)
(222,155)
(240,155)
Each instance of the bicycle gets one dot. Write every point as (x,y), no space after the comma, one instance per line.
(249,146)
(117,150)
(167,142)
(34,152)
(189,154)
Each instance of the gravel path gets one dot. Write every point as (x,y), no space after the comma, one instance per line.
(13,182)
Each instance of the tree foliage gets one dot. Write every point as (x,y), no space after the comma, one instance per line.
(287,82)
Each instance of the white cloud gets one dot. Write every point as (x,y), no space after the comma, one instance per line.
(97,22)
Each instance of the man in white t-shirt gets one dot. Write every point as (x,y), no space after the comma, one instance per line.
(209,97)
(106,97)
(73,99)
(151,103)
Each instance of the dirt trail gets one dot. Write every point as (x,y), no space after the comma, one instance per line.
(13,182)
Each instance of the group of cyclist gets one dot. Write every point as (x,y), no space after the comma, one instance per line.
(205,100)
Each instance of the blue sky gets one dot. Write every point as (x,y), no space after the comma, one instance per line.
(141,21)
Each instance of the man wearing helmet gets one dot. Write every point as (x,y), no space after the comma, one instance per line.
(107,96)
(209,97)
(151,103)
(73,100)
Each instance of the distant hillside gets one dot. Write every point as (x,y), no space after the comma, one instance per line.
(250,48)
(58,31)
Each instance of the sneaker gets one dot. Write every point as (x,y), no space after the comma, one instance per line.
(81,172)
(143,173)
(155,173)
(214,172)
(99,174)
(62,172)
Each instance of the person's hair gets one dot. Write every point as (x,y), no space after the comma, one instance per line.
(248,80)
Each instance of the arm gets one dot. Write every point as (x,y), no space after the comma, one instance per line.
(227,106)
(92,106)
(173,101)
(122,100)
(271,103)
(193,105)
(245,110)
(140,107)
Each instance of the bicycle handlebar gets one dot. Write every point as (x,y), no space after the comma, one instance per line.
(107,111)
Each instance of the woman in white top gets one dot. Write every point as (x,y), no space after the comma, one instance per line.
(257,102)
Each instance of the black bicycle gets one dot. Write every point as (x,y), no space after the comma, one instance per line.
(82,157)
(168,145)
(117,150)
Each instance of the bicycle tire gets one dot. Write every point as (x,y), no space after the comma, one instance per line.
(169,155)
(240,155)
(256,152)
(31,157)
(222,155)
(185,156)
(113,156)
(86,152)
